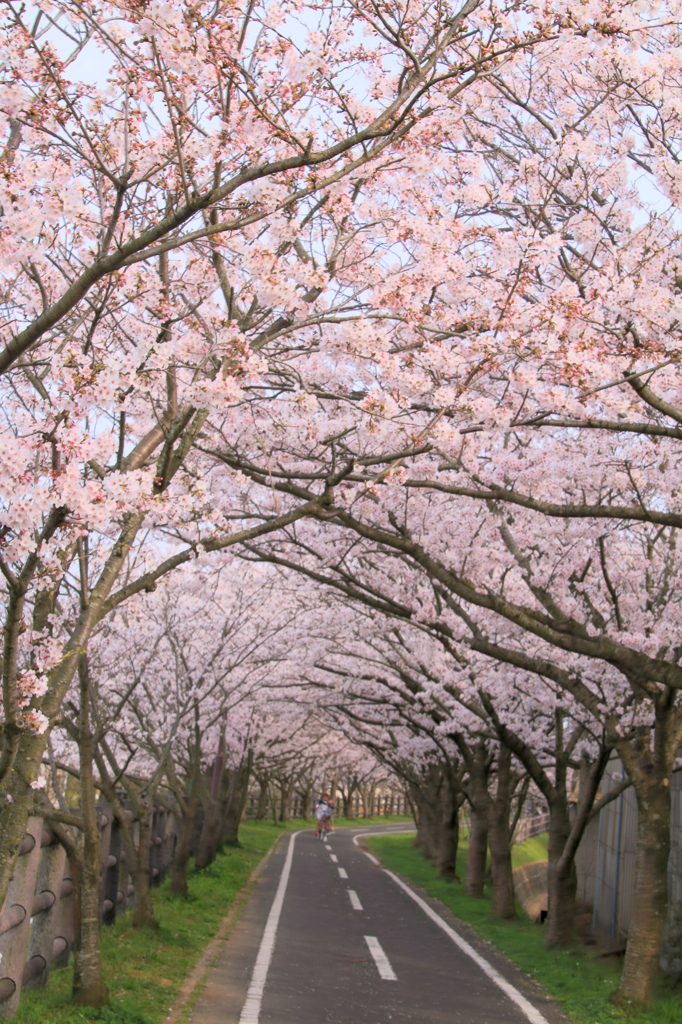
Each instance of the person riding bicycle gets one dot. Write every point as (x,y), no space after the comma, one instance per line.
(323,813)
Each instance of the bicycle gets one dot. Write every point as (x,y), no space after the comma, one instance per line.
(322,828)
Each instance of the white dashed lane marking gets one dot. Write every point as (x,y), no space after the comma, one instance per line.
(384,968)
(342,873)
(354,900)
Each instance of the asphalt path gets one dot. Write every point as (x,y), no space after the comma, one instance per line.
(328,936)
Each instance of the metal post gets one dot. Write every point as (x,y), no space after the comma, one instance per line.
(16,919)
(110,881)
(65,918)
(45,928)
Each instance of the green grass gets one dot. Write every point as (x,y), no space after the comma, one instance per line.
(340,822)
(388,819)
(530,851)
(145,970)
(577,979)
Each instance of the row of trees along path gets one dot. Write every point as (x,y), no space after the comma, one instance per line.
(345,337)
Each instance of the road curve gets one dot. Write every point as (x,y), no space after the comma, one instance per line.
(328,937)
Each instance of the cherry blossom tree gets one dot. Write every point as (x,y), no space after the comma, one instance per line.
(178,696)
(167,225)
(547,410)
(526,611)
(404,273)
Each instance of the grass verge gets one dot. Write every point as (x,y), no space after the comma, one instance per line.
(576,978)
(387,819)
(531,850)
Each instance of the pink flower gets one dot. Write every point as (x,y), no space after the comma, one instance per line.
(36,721)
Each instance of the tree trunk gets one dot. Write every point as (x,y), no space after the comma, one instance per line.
(449,834)
(88,985)
(476,857)
(14,813)
(438,799)
(236,802)
(561,896)
(564,835)
(179,884)
(306,803)
(504,904)
(136,855)
(650,906)
(208,840)
(273,804)
(478,764)
(88,988)
(367,794)
(427,838)
(561,876)
(286,786)
(262,808)
(143,909)
(477,761)
(137,862)
(183,850)
(233,815)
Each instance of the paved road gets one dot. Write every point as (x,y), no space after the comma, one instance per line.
(328,937)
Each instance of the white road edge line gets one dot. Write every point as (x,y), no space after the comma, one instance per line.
(526,1007)
(343,873)
(371,855)
(384,968)
(254,997)
(354,900)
